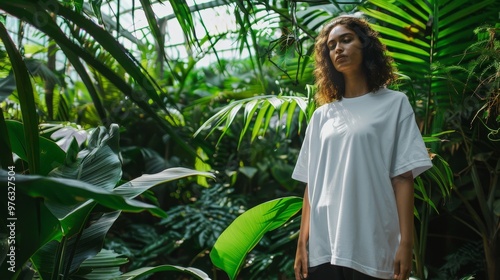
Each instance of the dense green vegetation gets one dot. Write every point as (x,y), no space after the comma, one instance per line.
(138,140)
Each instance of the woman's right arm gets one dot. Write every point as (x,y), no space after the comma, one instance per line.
(300,265)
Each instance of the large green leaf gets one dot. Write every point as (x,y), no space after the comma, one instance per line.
(51,154)
(70,192)
(98,164)
(246,231)
(145,271)
(74,250)
(104,266)
(139,185)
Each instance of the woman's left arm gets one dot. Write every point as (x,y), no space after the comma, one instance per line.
(403,190)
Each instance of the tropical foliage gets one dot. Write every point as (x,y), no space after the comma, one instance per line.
(95,95)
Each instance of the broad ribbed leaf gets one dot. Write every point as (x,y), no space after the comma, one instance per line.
(68,191)
(98,164)
(71,218)
(145,271)
(104,266)
(139,185)
(51,154)
(75,249)
(246,231)
(105,258)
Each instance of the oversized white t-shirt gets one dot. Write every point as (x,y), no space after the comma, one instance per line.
(352,149)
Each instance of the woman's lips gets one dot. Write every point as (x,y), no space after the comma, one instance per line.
(339,57)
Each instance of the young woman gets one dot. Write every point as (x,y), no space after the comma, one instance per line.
(361,152)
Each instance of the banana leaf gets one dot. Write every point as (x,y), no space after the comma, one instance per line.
(245,232)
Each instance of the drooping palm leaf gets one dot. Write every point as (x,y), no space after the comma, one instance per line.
(258,110)
(185,19)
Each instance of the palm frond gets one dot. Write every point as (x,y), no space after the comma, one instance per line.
(259,110)
(423,37)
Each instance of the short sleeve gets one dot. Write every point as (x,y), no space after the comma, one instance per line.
(410,153)
(301,171)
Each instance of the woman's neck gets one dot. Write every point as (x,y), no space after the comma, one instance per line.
(355,85)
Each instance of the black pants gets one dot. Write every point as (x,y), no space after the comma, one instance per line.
(334,272)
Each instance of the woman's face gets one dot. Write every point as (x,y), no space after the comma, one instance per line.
(345,50)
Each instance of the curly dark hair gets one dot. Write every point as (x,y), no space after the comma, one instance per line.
(376,64)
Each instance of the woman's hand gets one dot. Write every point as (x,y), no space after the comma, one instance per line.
(300,265)
(403,261)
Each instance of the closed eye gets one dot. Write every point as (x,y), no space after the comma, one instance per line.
(346,40)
